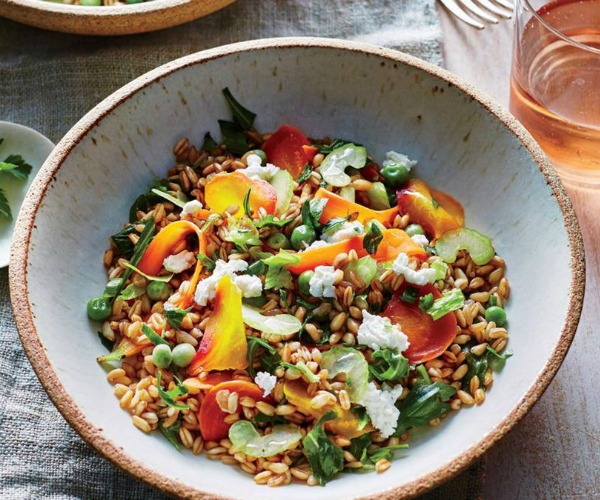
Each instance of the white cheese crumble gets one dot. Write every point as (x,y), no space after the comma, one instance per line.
(317,244)
(419,278)
(399,159)
(266,382)
(380,407)
(250,286)
(321,284)
(343,232)
(254,170)
(420,239)
(378,332)
(179,262)
(191,207)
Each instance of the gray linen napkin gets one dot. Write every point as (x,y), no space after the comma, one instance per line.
(48,81)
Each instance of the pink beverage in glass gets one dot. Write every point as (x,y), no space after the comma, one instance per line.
(555,82)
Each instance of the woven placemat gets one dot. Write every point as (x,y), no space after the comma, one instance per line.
(48,81)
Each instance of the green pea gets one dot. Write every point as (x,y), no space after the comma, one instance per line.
(99,309)
(413,229)
(158,290)
(395,174)
(161,356)
(303,236)
(304,281)
(278,241)
(90,3)
(260,153)
(183,354)
(496,314)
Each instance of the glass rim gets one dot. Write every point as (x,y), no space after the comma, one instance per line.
(558,32)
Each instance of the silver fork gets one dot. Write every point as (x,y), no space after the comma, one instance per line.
(472,12)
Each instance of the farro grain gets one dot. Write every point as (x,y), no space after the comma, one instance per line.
(479,396)
(465,397)
(460,372)
(140,423)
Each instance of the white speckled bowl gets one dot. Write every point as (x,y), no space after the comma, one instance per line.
(465,144)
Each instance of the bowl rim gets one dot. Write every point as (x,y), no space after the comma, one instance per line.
(93,435)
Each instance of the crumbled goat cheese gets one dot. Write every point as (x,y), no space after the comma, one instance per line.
(266,382)
(321,284)
(380,407)
(250,286)
(191,207)
(343,232)
(419,278)
(179,262)
(254,170)
(398,158)
(420,239)
(378,332)
(317,244)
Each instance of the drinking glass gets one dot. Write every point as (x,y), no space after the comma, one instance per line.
(555,82)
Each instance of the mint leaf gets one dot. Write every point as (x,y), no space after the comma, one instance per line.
(325,458)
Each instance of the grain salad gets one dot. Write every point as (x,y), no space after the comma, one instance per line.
(295,307)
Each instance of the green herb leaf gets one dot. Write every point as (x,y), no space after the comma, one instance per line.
(163,194)
(269,220)
(233,137)
(261,418)
(209,143)
(146,200)
(334,224)
(16,166)
(171,433)
(269,360)
(277,277)
(363,417)
(305,175)
(131,292)
(281,259)
(422,371)
(424,403)
(434,203)
(164,279)
(246,203)
(336,143)
(497,355)
(175,316)
(302,368)
(153,337)
(386,452)
(169,397)
(109,344)
(450,301)
(242,116)
(256,268)
(207,262)
(312,211)
(242,232)
(112,287)
(372,239)
(359,445)
(389,365)
(5,210)
(325,458)
(122,242)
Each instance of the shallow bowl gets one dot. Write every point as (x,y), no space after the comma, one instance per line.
(108,20)
(465,144)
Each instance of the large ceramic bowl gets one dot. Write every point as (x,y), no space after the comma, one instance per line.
(465,143)
(109,20)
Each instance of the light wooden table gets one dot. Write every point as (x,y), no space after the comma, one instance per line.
(554,452)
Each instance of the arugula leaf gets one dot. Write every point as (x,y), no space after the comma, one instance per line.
(302,368)
(16,166)
(246,203)
(309,306)
(389,365)
(424,403)
(363,417)
(171,433)
(208,262)
(144,201)
(5,210)
(261,418)
(168,397)
(277,277)
(164,279)
(175,316)
(305,175)
(233,137)
(138,251)
(112,287)
(450,301)
(281,259)
(372,239)
(163,194)
(269,220)
(359,445)
(109,344)
(386,452)
(269,360)
(209,143)
(336,143)
(241,115)
(312,211)
(283,298)
(131,292)
(496,354)
(122,242)
(153,337)
(478,365)
(325,458)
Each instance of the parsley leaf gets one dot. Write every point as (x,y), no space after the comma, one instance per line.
(145,201)
(171,433)
(269,360)
(131,292)
(233,137)
(388,365)
(372,239)
(169,397)
(325,458)
(336,143)
(312,211)
(4,206)
(209,143)
(16,166)
(153,337)
(122,242)
(241,115)
(269,220)
(281,259)
(277,277)
(163,194)
(305,175)
(175,316)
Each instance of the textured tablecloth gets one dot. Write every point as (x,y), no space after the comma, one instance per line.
(48,81)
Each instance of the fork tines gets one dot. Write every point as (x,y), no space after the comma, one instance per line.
(473,12)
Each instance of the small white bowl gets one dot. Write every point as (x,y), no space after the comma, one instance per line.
(465,144)
(34,148)
(108,20)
